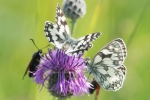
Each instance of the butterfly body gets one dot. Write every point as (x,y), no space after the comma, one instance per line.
(59,35)
(107,66)
(69,44)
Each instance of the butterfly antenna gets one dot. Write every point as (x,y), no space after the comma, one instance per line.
(46,46)
(34,43)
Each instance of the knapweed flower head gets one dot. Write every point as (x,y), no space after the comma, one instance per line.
(64,74)
(74,8)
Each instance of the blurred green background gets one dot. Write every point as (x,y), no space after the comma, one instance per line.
(21,20)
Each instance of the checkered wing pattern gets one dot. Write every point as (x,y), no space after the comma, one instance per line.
(107,65)
(59,35)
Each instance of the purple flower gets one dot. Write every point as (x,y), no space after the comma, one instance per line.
(64,74)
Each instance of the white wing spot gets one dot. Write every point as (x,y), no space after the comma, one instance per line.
(106,52)
(97,59)
(63,18)
(116,49)
(58,23)
(110,47)
(48,38)
(84,43)
(67,29)
(46,33)
(114,58)
(62,28)
(54,37)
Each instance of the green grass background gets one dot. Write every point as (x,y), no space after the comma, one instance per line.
(21,20)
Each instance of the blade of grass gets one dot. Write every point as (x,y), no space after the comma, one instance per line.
(138,22)
(95,17)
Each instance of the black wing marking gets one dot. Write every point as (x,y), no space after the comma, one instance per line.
(123,46)
(61,22)
(108,77)
(111,55)
(84,41)
(52,34)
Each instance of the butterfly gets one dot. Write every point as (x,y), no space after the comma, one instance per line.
(59,35)
(107,65)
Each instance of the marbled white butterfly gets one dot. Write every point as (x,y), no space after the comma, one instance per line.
(59,35)
(107,66)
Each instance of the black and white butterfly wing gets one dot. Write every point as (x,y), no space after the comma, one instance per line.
(108,77)
(123,69)
(52,34)
(112,55)
(84,43)
(59,32)
(123,46)
(107,66)
(61,22)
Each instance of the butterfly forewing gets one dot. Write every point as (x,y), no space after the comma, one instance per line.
(52,34)
(83,42)
(111,55)
(123,46)
(61,22)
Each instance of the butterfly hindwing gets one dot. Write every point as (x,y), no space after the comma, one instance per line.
(123,69)
(108,77)
(80,51)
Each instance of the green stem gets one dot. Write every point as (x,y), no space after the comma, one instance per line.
(61,99)
(138,23)
(73,25)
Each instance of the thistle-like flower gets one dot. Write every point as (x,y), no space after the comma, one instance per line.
(64,74)
(74,8)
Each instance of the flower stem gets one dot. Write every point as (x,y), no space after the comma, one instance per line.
(61,99)
(73,25)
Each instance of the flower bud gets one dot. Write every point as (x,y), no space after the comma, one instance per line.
(74,8)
